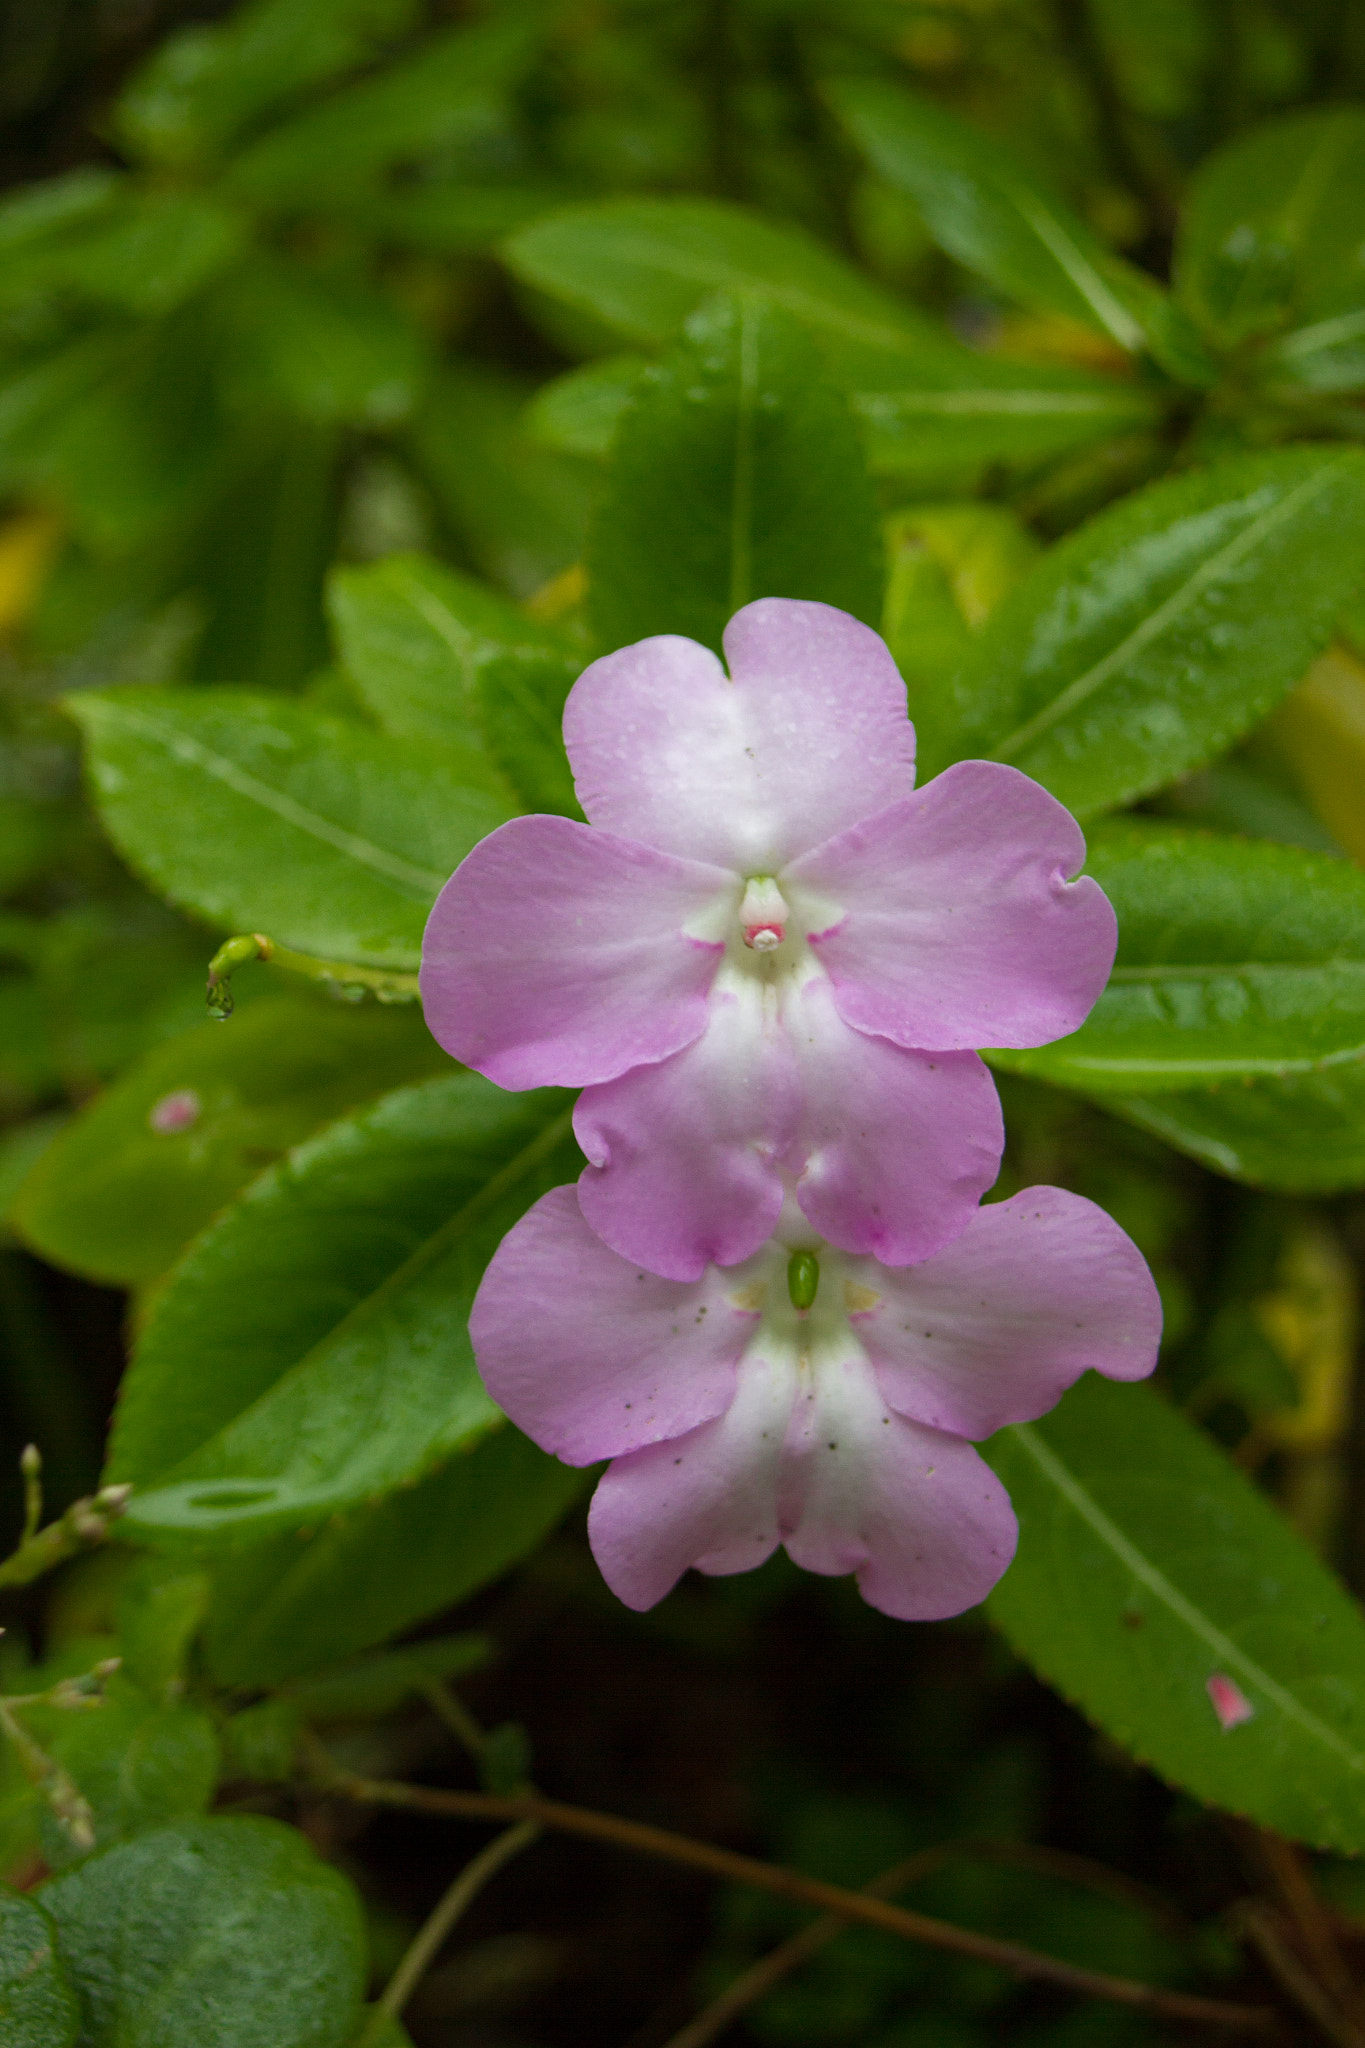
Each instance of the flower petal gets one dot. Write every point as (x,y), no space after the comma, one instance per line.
(997,1327)
(708,1499)
(921,1519)
(894,1149)
(807,734)
(959,926)
(590,1356)
(682,1156)
(556,955)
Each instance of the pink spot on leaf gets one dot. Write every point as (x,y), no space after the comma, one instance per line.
(1230,1703)
(175,1112)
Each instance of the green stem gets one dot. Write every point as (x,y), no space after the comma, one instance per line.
(432,1934)
(85,1522)
(387,983)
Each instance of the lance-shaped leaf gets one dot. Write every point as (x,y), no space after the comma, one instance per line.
(1301,1135)
(738,474)
(999,218)
(1273,229)
(1153,637)
(1236,958)
(326,1316)
(148,1163)
(1159,1592)
(265,815)
(926,402)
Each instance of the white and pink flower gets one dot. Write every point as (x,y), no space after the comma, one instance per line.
(768,960)
(808,1396)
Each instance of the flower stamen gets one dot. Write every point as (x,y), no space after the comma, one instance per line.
(763,914)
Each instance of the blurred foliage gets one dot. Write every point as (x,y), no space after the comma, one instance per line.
(379,359)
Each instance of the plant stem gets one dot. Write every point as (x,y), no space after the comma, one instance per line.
(386,983)
(85,1522)
(430,1936)
(792,1884)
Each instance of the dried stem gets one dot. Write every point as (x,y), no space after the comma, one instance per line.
(1263,1927)
(792,1884)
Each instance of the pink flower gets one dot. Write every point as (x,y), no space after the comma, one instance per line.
(808,1397)
(768,955)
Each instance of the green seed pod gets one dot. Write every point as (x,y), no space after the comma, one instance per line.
(803,1278)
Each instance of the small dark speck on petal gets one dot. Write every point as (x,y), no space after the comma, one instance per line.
(834,1447)
(677,1461)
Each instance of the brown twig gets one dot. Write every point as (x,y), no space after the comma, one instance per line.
(1263,1927)
(1309,1916)
(792,1884)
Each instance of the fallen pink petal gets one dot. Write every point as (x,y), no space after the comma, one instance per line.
(762,909)
(841,1428)
(1230,1703)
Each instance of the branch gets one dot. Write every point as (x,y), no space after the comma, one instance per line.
(85,1522)
(342,976)
(792,1884)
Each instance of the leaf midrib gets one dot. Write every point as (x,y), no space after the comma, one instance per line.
(1212,970)
(1199,1624)
(420,884)
(1226,558)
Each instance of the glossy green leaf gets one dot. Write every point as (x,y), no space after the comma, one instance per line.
(1303,1135)
(446,92)
(262,815)
(1273,229)
(147,1164)
(738,474)
(1148,1565)
(33,215)
(202,86)
(521,696)
(643,266)
(454,220)
(37,2003)
(333,1358)
(1155,635)
(137,1761)
(228,1933)
(994,215)
(319,349)
(160,1607)
(952,409)
(296,1603)
(413,636)
(366,1687)
(949,568)
(1236,958)
(580,412)
(521,510)
(143,254)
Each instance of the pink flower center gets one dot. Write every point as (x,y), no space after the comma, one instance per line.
(763,914)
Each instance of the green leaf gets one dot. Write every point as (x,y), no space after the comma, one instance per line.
(332,1359)
(926,403)
(147,1164)
(1236,958)
(138,1761)
(1147,1565)
(1304,1135)
(160,1607)
(520,510)
(1158,633)
(580,412)
(144,254)
(950,567)
(299,1602)
(948,409)
(413,635)
(454,220)
(202,86)
(264,815)
(319,348)
(1274,227)
(228,1933)
(643,266)
(521,696)
(368,1687)
(449,91)
(737,475)
(990,212)
(36,214)
(37,2004)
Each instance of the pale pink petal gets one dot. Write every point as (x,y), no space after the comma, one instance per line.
(894,1149)
(808,733)
(683,1156)
(954,922)
(997,1327)
(708,1499)
(556,955)
(589,1355)
(921,1519)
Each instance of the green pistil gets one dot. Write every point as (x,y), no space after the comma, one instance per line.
(803,1278)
